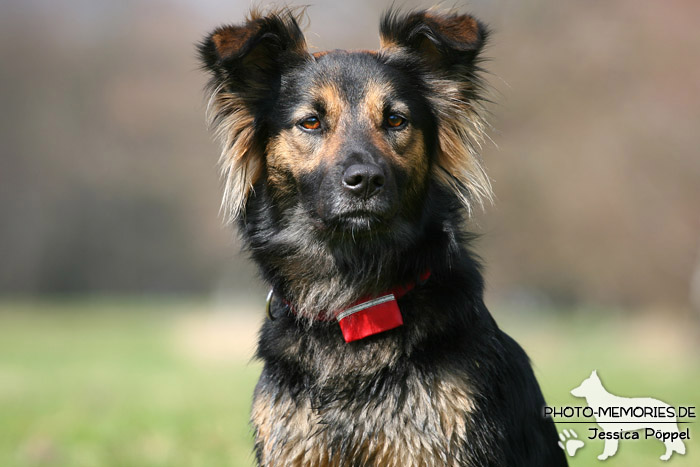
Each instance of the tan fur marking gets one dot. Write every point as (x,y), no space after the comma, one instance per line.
(374,102)
(416,158)
(289,432)
(296,152)
(292,151)
(408,149)
(240,162)
(335,105)
(388,45)
(428,429)
(332,146)
(461,132)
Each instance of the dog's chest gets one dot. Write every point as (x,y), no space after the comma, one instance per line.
(420,423)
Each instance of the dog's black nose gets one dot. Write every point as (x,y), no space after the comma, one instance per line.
(365,180)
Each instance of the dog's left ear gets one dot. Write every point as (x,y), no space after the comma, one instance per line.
(444,50)
(449,43)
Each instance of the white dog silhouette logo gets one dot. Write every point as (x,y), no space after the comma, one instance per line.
(607,409)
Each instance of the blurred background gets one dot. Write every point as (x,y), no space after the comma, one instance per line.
(128,314)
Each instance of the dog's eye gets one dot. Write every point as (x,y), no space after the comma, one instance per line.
(310,123)
(395,121)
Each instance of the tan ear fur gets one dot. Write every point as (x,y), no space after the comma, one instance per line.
(243,60)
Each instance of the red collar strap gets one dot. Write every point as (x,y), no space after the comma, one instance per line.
(372,315)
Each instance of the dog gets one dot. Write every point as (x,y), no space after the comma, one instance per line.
(351,175)
(597,398)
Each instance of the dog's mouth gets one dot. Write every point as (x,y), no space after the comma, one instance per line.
(359,220)
(339,215)
(357,223)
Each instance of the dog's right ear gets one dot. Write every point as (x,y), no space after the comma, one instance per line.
(448,42)
(246,63)
(250,57)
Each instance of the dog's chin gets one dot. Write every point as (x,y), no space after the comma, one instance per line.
(358,224)
(361,222)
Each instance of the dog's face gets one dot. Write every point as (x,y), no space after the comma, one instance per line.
(348,141)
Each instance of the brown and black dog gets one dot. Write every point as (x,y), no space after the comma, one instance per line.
(351,175)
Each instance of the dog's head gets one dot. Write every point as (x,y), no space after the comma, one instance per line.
(348,140)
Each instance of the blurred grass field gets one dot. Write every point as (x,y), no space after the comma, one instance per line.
(97,382)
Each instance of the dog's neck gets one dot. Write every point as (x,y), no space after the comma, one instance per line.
(317,281)
(319,276)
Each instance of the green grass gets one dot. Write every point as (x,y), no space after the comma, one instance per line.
(113,383)
(103,384)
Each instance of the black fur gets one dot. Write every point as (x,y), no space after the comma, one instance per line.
(447,326)
(357,400)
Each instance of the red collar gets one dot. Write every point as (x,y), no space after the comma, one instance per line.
(370,315)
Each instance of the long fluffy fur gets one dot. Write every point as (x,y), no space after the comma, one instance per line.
(229,111)
(457,96)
